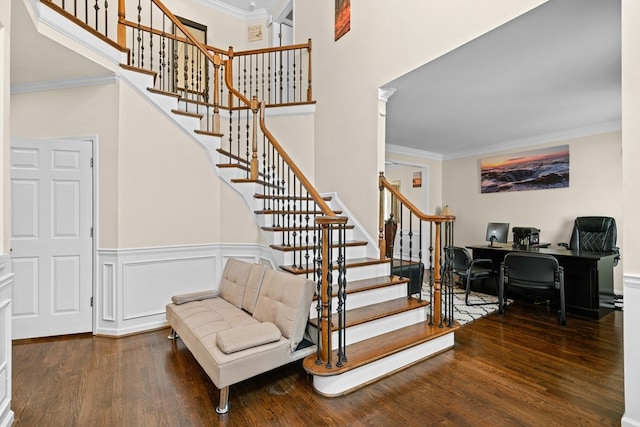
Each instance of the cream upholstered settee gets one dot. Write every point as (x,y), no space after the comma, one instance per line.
(253,323)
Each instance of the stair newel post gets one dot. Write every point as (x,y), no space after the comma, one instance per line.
(342,295)
(327,223)
(437,296)
(215,125)
(255,105)
(122,28)
(309,87)
(448,243)
(382,243)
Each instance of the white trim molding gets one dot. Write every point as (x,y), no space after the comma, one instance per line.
(412,152)
(631,417)
(135,285)
(6,295)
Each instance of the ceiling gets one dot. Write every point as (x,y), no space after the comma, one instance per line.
(552,73)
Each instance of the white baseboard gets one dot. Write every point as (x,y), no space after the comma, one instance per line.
(133,286)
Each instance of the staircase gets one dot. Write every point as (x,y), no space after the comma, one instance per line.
(368,325)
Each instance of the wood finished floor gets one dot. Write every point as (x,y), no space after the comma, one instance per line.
(522,369)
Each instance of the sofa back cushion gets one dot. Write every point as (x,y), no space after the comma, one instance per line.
(236,278)
(285,300)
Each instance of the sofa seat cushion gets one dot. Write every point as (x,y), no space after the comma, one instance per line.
(198,324)
(244,337)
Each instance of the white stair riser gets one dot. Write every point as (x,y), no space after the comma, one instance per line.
(365,298)
(338,385)
(289,256)
(376,327)
(277,238)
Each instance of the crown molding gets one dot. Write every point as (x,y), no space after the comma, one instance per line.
(384,93)
(41,86)
(407,151)
(596,129)
(223,7)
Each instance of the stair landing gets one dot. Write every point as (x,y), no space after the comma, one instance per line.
(378,357)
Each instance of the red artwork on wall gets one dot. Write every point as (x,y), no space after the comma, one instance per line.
(343,18)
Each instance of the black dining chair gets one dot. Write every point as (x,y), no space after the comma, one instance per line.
(532,271)
(469,269)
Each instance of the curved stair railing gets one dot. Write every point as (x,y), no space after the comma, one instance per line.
(203,80)
(413,230)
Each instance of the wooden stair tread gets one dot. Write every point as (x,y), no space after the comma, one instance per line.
(163,92)
(350,263)
(187,113)
(290,248)
(253,181)
(290,212)
(284,229)
(303,198)
(232,156)
(369,284)
(360,315)
(139,70)
(376,348)
(208,133)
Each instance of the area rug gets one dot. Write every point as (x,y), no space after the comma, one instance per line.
(463,313)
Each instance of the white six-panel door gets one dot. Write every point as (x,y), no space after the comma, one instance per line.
(51,236)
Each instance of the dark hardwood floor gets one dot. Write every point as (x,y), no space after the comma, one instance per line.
(522,369)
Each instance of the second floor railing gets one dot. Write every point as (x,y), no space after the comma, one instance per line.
(157,41)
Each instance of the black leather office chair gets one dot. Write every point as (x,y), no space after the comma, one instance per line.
(532,271)
(471,269)
(594,234)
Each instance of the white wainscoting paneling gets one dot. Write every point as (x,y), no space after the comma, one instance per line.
(135,285)
(631,417)
(6,294)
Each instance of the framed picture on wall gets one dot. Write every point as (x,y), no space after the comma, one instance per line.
(417,179)
(343,18)
(529,170)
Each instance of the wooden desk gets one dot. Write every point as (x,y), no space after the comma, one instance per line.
(588,276)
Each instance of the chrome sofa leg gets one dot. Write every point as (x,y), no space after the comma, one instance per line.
(223,405)
(173,335)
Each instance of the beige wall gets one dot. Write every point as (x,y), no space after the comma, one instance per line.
(78,112)
(223,30)
(631,206)
(348,73)
(156,186)
(167,189)
(595,188)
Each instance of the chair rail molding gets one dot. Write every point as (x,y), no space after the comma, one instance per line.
(134,285)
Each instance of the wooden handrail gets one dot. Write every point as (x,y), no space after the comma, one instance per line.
(228,79)
(326,210)
(274,49)
(429,218)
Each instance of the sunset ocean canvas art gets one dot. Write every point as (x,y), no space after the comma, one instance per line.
(532,170)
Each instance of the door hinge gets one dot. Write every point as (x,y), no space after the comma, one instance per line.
(91,232)
(91,162)
(91,302)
